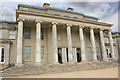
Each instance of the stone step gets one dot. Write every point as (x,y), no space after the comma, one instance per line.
(27,70)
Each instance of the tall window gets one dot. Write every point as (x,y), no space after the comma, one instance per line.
(97,50)
(88,37)
(89,53)
(2,53)
(27,52)
(42,35)
(42,52)
(106,40)
(59,36)
(77,36)
(27,33)
(11,34)
(60,55)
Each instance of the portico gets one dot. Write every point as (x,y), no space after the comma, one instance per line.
(72,50)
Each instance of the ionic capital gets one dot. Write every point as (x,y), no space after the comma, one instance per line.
(92,28)
(20,19)
(55,23)
(81,26)
(68,25)
(38,21)
(101,29)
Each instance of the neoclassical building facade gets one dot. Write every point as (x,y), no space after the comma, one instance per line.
(45,35)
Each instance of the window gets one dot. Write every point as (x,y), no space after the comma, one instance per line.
(97,50)
(11,34)
(2,54)
(42,35)
(60,55)
(114,40)
(27,33)
(89,53)
(106,40)
(59,35)
(88,37)
(42,52)
(77,36)
(27,52)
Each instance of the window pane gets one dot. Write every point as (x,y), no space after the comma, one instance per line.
(11,34)
(42,52)
(27,33)
(89,53)
(27,51)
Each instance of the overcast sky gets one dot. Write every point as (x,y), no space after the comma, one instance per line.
(106,11)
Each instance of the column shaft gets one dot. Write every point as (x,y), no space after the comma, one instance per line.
(111,44)
(54,41)
(70,54)
(82,44)
(38,42)
(93,44)
(103,45)
(64,55)
(74,55)
(19,43)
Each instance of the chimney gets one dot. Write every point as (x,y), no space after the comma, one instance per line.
(46,5)
(70,9)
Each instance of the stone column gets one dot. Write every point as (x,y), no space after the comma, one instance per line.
(93,44)
(38,42)
(82,43)
(64,55)
(54,42)
(103,45)
(74,55)
(19,43)
(111,44)
(70,54)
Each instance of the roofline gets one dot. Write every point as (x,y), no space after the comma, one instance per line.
(25,5)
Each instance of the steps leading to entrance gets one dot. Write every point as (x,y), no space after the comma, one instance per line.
(69,67)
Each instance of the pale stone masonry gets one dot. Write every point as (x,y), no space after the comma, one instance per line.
(48,36)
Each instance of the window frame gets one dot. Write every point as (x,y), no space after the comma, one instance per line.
(27,34)
(13,34)
(29,54)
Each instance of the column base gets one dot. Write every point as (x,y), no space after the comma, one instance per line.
(19,65)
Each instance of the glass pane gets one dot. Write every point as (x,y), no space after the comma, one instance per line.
(27,51)
(89,53)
